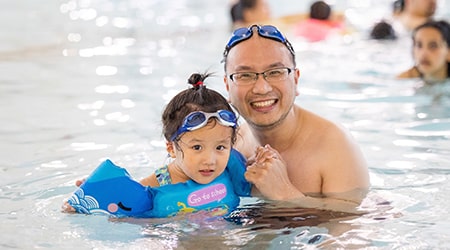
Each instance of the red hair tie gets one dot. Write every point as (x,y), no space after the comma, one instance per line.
(199,83)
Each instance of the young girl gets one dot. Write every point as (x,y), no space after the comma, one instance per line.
(200,129)
(204,173)
(431,52)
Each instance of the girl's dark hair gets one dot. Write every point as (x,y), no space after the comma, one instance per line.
(442,26)
(196,98)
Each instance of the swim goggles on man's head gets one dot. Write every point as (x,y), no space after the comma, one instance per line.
(267,31)
(199,119)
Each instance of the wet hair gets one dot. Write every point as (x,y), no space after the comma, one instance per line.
(383,30)
(237,9)
(196,98)
(442,26)
(320,10)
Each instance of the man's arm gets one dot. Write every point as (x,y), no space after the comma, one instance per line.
(342,190)
(273,183)
(344,171)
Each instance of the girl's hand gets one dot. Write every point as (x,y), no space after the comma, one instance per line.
(65,206)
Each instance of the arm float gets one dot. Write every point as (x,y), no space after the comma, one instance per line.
(110,190)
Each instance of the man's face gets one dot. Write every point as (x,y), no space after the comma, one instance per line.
(263,104)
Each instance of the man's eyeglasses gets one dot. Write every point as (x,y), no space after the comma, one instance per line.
(199,119)
(267,31)
(271,75)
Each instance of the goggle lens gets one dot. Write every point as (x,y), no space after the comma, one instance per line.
(199,119)
(194,120)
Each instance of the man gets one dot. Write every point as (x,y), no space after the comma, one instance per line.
(300,156)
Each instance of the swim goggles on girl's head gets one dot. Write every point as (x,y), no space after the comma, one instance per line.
(267,31)
(199,119)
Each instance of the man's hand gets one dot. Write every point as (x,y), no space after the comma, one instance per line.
(267,171)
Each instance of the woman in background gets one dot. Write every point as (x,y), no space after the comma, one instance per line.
(431,52)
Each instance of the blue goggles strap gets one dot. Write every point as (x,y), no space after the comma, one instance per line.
(199,119)
(267,31)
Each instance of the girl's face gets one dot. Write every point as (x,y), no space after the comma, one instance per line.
(204,152)
(431,53)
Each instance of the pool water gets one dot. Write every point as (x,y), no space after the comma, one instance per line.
(87,80)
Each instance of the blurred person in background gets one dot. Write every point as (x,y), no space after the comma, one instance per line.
(383,30)
(411,13)
(431,52)
(320,24)
(245,12)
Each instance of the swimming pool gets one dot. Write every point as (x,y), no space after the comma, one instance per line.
(86,80)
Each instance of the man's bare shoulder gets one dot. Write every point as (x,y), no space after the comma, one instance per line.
(334,136)
(321,126)
(332,140)
(318,141)
(337,157)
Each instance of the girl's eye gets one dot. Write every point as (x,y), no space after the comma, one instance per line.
(220,147)
(196,147)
